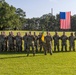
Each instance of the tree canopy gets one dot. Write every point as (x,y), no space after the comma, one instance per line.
(10,17)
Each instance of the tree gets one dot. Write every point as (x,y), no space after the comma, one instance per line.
(57,22)
(73,23)
(21,15)
(10,17)
(2,1)
(20,12)
(4,14)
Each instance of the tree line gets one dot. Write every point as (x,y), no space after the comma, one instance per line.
(49,22)
(15,19)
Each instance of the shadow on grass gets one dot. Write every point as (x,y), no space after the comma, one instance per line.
(2,58)
(62,51)
(12,52)
(23,56)
(8,55)
(42,52)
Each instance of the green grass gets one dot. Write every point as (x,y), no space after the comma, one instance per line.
(62,63)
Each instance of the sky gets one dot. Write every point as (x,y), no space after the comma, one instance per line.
(37,8)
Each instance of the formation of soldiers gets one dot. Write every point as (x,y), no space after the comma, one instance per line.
(34,43)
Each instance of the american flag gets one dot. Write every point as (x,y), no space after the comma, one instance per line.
(65,18)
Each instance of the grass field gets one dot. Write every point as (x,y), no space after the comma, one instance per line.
(56,64)
(60,63)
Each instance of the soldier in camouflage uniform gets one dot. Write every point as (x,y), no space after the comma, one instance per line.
(1,42)
(64,41)
(36,42)
(48,43)
(71,42)
(5,41)
(10,39)
(56,41)
(75,39)
(30,43)
(25,42)
(40,41)
(18,39)
(14,40)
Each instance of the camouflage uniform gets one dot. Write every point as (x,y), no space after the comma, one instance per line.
(10,42)
(64,41)
(1,43)
(25,42)
(40,42)
(56,41)
(71,42)
(18,39)
(30,43)
(48,41)
(36,42)
(13,41)
(5,41)
(75,39)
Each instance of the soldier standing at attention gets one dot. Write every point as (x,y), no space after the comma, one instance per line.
(13,40)
(1,42)
(30,43)
(18,39)
(48,43)
(56,41)
(71,42)
(64,41)
(36,42)
(25,42)
(5,41)
(10,39)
